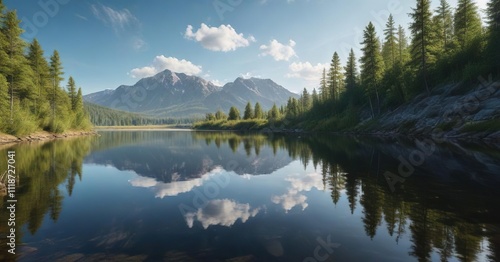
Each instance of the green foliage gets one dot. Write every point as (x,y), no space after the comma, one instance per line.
(422,41)
(31,97)
(103,116)
(234,114)
(249,113)
(72,92)
(351,73)
(372,67)
(389,50)
(335,78)
(467,23)
(274,113)
(258,113)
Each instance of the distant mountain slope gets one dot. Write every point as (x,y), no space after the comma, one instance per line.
(170,94)
(103,116)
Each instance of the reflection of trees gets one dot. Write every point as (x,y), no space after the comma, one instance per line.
(437,218)
(41,168)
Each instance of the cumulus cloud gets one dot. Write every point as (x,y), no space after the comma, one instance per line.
(306,71)
(298,185)
(279,51)
(290,200)
(223,38)
(160,63)
(222,212)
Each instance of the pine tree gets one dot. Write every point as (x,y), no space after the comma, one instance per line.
(56,77)
(493,12)
(467,22)
(315,97)
(15,68)
(79,100)
(274,113)
(323,89)
(372,66)
(248,114)
(421,28)
(402,46)
(72,93)
(40,69)
(335,77)
(443,22)
(351,73)
(306,100)
(4,102)
(258,114)
(234,114)
(390,44)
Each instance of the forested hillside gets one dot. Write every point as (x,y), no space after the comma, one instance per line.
(32,93)
(103,116)
(447,46)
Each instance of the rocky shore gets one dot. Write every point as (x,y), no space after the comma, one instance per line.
(42,136)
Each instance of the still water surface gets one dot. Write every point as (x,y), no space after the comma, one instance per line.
(212,196)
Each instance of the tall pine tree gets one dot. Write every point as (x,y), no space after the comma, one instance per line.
(493,13)
(467,23)
(351,73)
(72,93)
(335,77)
(372,67)
(16,68)
(421,29)
(443,22)
(389,50)
(323,87)
(41,74)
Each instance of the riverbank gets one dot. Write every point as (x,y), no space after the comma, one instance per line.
(147,127)
(450,112)
(42,136)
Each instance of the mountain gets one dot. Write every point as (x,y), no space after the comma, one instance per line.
(170,94)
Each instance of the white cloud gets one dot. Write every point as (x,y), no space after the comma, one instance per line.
(223,212)
(306,71)
(160,63)
(294,197)
(176,187)
(290,200)
(119,20)
(279,51)
(248,75)
(223,38)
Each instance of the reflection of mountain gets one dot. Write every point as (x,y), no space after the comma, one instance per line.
(188,155)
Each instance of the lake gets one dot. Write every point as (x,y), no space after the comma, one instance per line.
(222,196)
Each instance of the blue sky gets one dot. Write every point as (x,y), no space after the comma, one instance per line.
(107,43)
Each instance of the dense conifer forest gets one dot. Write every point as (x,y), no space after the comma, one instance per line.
(445,45)
(33,93)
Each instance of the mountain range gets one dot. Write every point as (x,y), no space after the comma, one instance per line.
(170,94)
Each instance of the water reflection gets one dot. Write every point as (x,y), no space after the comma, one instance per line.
(269,194)
(41,168)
